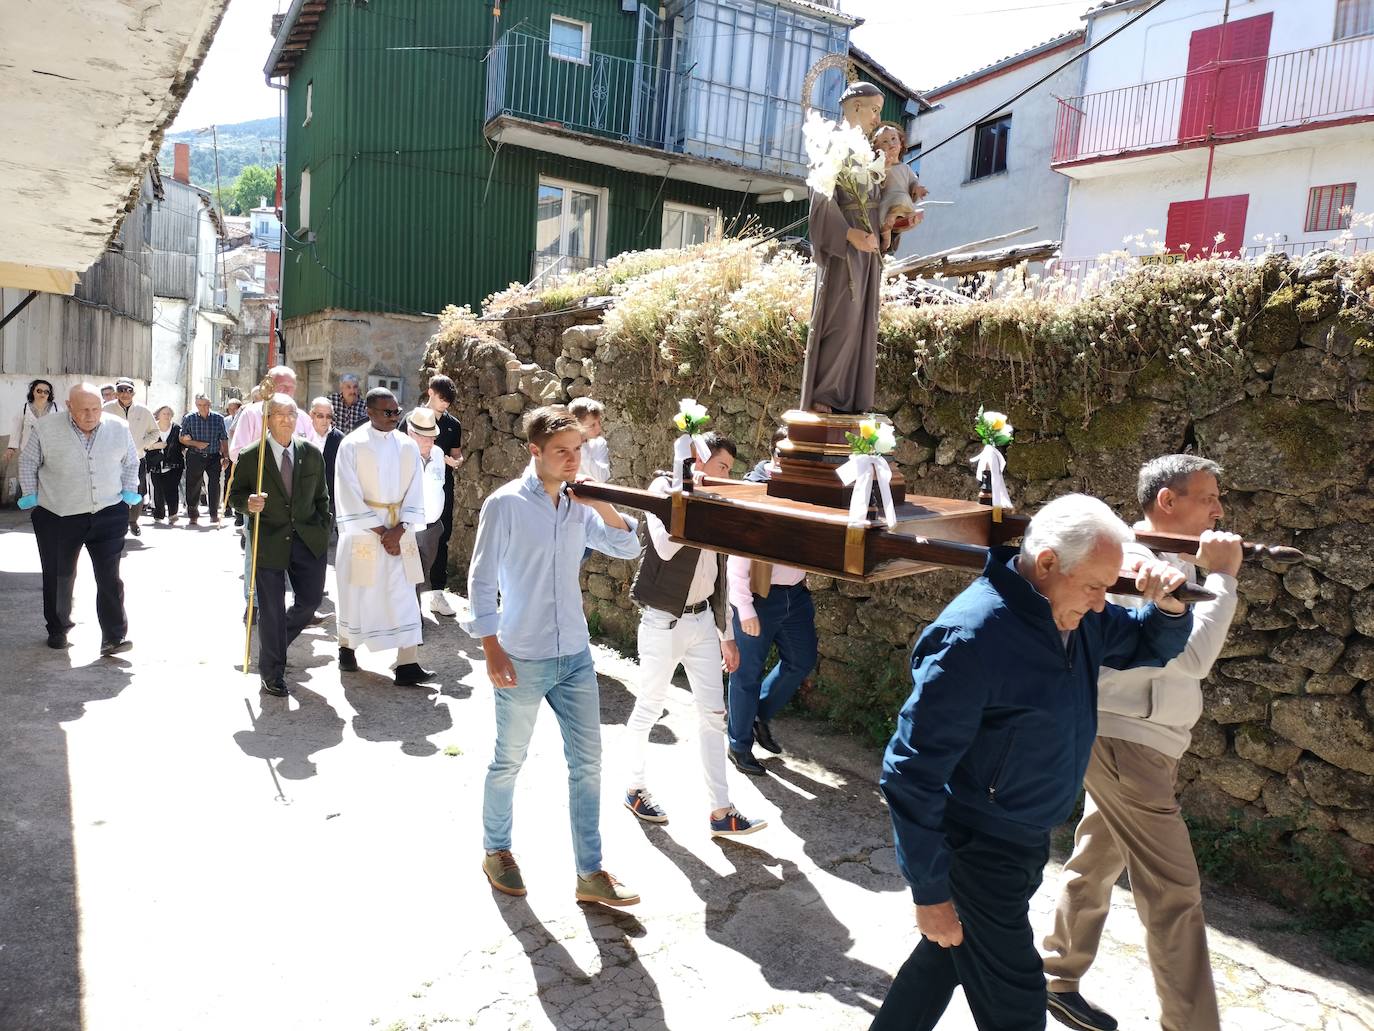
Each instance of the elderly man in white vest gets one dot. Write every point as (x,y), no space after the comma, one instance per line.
(78,474)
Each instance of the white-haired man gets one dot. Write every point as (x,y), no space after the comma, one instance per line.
(1131,819)
(350,410)
(990,750)
(248,429)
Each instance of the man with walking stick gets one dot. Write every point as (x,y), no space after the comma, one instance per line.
(291,523)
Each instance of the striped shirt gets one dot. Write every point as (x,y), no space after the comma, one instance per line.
(348,417)
(208,428)
(32,457)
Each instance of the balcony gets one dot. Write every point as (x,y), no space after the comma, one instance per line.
(642,117)
(1229,101)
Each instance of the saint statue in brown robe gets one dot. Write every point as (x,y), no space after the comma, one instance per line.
(842,345)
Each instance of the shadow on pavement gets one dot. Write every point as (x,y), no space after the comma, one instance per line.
(40,980)
(757,912)
(291,733)
(385,712)
(618,701)
(621,994)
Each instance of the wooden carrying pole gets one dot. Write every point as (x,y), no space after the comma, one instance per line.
(268,389)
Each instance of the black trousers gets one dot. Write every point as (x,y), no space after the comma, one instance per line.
(438,569)
(60,540)
(166,492)
(991,882)
(202,467)
(277,625)
(137,510)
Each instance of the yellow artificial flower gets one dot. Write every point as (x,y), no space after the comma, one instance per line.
(868,429)
(680,421)
(996,421)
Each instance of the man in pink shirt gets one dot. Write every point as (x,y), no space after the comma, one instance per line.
(248,428)
(771,606)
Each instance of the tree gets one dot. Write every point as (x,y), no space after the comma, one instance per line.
(253,184)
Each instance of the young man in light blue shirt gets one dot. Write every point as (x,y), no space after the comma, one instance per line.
(530,540)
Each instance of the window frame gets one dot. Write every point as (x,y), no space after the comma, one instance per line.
(1335,222)
(603,195)
(309,102)
(686,209)
(991,123)
(586,52)
(303,201)
(1363,10)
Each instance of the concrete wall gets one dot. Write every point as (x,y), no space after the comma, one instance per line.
(1029,193)
(365,343)
(170,340)
(1104,210)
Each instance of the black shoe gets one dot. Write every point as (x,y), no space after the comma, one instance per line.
(412,674)
(763,734)
(58,640)
(746,763)
(348,662)
(114,647)
(245,615)
(1072,1009)
(135,530)
(276,686)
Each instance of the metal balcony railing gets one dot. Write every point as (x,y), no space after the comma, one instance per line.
(1233,98)
(641,103)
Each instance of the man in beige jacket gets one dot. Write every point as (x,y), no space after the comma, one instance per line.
(143,428)
(1131,818)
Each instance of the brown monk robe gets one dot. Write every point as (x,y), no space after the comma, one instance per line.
(842,345)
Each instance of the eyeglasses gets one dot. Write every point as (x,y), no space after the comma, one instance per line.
(41,390)
(389,412)
(124,390)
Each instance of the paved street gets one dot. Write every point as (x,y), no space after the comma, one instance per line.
(179,852)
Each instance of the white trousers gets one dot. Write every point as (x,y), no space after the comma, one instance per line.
(665,643)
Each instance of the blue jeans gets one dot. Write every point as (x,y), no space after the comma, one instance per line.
(787,618)
(568,684)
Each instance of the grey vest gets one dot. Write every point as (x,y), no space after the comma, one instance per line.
(72,482)
(664,585)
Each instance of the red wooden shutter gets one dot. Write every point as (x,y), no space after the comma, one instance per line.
(1229,98)
(1197,222)
(1186,224)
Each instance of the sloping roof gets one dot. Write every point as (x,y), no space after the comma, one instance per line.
(1062,40)
(864,58)
(296,31)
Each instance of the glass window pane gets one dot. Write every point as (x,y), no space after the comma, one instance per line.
(698,228)
(582,225)
(548,239)
(567,40)
(672,227)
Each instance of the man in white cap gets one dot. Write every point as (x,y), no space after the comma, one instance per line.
(143,428)
(422,426)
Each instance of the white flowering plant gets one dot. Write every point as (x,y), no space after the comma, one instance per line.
(873,438)
(840,157)
(993,428)
(691,417)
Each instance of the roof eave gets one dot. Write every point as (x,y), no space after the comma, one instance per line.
(1077,35)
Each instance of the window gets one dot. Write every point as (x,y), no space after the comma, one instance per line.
(260,273)
(570,227)
(913,158)
(303,202)
(1328,208)
(309,101)
(990,147)
(570,40)
(684,226)
(392,383)
(1354,18)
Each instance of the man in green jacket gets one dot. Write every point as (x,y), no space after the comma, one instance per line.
(293,537)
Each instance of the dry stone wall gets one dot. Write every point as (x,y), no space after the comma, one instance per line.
(1288,731)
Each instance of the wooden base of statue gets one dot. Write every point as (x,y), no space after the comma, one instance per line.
(814,449)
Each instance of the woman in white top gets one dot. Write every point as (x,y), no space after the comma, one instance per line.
(38,404)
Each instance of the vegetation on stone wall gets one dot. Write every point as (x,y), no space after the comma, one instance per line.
(1266,367)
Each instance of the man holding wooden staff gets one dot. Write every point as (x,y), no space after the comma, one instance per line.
(990,750)
(1131,818)
(293,534)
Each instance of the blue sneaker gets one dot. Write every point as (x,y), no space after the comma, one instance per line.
(735,824)
(642,804)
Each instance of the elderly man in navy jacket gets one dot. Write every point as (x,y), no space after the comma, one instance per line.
(991,748)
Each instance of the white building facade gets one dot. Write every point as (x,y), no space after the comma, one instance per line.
(997,175)
(1252,121)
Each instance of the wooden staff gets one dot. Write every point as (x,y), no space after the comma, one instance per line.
(269,388)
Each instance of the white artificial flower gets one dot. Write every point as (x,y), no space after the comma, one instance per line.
(887,439)
(688,406)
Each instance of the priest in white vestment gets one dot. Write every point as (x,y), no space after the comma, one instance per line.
(380,505)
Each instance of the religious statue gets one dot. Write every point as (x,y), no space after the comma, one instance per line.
(842,345)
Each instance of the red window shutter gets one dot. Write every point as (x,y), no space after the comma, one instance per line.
(1186,225)
(1240,86)
(1197,222)
(1204,48)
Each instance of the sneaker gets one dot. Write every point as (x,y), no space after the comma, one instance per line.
(735,824)
(1073,1010)
(438,604)
(115,647)
(602,887)
(642,804)
(503,872)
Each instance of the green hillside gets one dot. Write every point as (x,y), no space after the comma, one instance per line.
(240,144)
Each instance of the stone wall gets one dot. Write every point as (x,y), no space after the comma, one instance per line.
(1289,726)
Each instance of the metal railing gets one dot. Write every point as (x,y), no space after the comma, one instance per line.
(1230,99)
(548,269)
(641,103)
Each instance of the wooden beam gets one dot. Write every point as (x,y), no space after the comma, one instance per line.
(966,264)
(37,277)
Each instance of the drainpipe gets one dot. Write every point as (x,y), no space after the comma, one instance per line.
(1212,114)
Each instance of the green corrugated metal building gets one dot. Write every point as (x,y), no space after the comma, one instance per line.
(439,150)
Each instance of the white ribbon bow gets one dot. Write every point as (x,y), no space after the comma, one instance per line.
(990,460)
(685,447)
(861,471)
